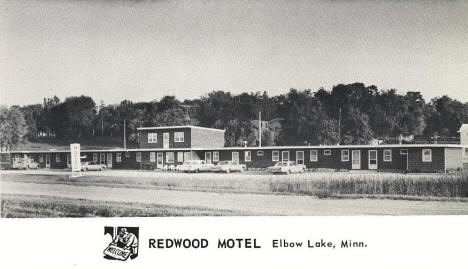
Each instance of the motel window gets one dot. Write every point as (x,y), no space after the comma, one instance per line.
(327,152)
(179,137)
(235,157)
(118,157)
(152,157)
(41,158)
(313,155)
(180,157)
(248,156)
(387,155)
(427,155)
(285,156)
(95,157)
(215,156)
(138,157)
(57,158)
(404,151)
(300,157)
(275,156)
(260,153)
(127,154)
(169,157)
(345,155)
(152,137)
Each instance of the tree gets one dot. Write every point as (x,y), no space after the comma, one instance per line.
(238,131)
(301,113)
(48,118)
(74,117)
(12,127)
(328,132)
(268,138)
(32,116)
(445,117)
(411,115)
(170,117)
(356,128)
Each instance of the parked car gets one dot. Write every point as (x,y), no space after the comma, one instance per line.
(25,163)
(87,166)
(287,167)
(228,167)
(195,166)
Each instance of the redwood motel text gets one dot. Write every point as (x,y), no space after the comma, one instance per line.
(167,147)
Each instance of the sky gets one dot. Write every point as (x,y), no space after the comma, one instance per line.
(143,50)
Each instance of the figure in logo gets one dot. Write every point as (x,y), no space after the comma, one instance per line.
(124,244)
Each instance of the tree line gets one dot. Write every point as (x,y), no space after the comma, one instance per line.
(346,114)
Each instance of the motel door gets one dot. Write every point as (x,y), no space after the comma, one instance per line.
(102,157)
(109,160)
(235,157)
(373,159)
(207,157)
(47,160)
(166,140)
(404,158)
(159,160)
(356,159)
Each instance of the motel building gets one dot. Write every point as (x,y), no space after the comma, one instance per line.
(167,147)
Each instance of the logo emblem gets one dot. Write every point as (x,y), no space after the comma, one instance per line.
(124,243)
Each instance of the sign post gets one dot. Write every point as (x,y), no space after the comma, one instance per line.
(75,160)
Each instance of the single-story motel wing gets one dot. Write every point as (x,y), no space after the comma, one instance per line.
(162,147)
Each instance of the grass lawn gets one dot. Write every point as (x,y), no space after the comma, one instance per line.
(38,206)
(322,185)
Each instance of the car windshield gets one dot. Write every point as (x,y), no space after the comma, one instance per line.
(281,164)
(223,162)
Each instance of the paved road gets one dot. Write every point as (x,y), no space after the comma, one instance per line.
(256,204)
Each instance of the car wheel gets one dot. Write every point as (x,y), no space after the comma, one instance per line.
(228,171)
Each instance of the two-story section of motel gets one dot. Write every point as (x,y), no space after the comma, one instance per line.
(172,145)
(178,137)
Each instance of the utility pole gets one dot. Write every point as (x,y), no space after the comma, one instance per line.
(260,128)
(339,128)
(125,137)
